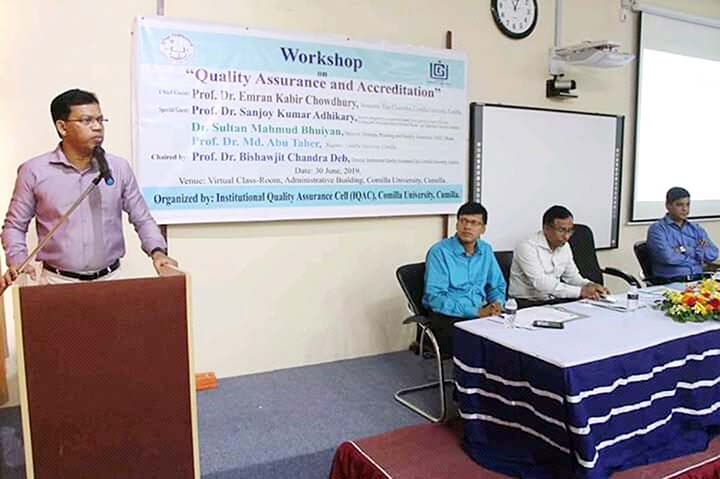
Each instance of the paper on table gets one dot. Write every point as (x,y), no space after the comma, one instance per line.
(503,320)
(653,291)
(620,303)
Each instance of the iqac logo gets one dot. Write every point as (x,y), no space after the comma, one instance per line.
(439,71)
(176,47)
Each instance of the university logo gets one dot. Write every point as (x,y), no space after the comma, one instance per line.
(439,71)
(176,47)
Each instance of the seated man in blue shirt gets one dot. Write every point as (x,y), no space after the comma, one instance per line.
(462,277)
(679,249)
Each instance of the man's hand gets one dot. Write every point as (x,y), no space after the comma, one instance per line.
(492,309)
(711,267)
(593,291)
(12,274)
(163,264)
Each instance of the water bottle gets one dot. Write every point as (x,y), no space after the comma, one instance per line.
(633,298)
(511,307)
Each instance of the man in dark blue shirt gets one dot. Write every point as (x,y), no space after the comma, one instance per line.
(462,277)
(679,249)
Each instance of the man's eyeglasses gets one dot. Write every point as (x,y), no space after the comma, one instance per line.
(563,231)
(89,121)
(468,222)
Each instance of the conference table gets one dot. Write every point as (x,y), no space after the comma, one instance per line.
(610,391)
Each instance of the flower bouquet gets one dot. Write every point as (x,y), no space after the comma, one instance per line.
(697,303)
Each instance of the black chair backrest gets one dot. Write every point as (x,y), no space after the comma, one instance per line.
(582,243)
(504,259)
(412,281)
(642,253)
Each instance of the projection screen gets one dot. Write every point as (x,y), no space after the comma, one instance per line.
(676,141)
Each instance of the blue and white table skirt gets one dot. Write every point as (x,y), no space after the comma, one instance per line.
(527,417)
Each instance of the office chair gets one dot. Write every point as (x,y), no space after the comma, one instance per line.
(582,243)
(642,253)
(504,259)
(412,281)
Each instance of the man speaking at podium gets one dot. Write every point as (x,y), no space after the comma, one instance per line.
(89,245)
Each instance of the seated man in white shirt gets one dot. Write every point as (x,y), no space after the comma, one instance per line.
(543,269)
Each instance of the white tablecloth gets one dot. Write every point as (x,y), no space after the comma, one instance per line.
(604,333)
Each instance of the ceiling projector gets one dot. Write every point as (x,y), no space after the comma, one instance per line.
(600,54)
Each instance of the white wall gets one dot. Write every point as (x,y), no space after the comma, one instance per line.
(276,295)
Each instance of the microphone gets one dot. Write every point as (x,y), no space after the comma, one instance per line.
(105,172)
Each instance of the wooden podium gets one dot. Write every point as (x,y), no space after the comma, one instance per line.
(3,355)
(106,380)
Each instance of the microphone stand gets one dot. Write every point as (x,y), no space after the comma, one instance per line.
(57,225)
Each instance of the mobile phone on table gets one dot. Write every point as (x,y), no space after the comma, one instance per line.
(540,323)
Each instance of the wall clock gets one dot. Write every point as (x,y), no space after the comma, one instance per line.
(515,18)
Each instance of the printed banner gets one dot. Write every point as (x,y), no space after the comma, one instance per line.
(234,124)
